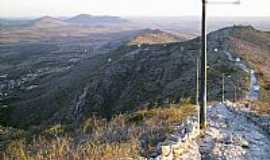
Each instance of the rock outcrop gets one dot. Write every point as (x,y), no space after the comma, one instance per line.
(181,145)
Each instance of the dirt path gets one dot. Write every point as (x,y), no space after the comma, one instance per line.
(231,136)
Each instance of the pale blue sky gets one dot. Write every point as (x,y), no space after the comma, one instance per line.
(28,8)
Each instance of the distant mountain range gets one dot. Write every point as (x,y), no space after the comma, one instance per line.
(46,21)
(47,28)
(91,20)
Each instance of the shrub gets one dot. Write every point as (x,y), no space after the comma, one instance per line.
(125,136)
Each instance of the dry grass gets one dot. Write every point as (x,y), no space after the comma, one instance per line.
(65,149)
(260,107)
(123,137)
(165,116)
(155,37)
(253,47)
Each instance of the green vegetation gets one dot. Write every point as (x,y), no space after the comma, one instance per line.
(135,76)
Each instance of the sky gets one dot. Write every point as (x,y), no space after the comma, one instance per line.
(149,8)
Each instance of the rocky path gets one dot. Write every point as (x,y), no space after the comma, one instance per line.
(231,136)
(254,90)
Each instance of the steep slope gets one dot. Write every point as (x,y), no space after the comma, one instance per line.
(126,79)
(254,46)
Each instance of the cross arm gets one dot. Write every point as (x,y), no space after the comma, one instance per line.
(236,2)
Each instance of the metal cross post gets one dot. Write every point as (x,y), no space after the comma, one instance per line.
(234,87)
(223,88)
(197,81)
(203,80)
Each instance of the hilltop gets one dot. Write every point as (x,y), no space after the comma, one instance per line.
(95,20)
(155,37)
(48,22)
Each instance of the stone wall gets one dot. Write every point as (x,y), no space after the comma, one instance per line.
(178,143)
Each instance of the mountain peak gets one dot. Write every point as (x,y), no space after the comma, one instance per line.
(48,21)
(45,18)
(90,19)
(83,15)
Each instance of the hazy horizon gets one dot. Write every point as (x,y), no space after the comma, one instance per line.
(197,17)
(123,8)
